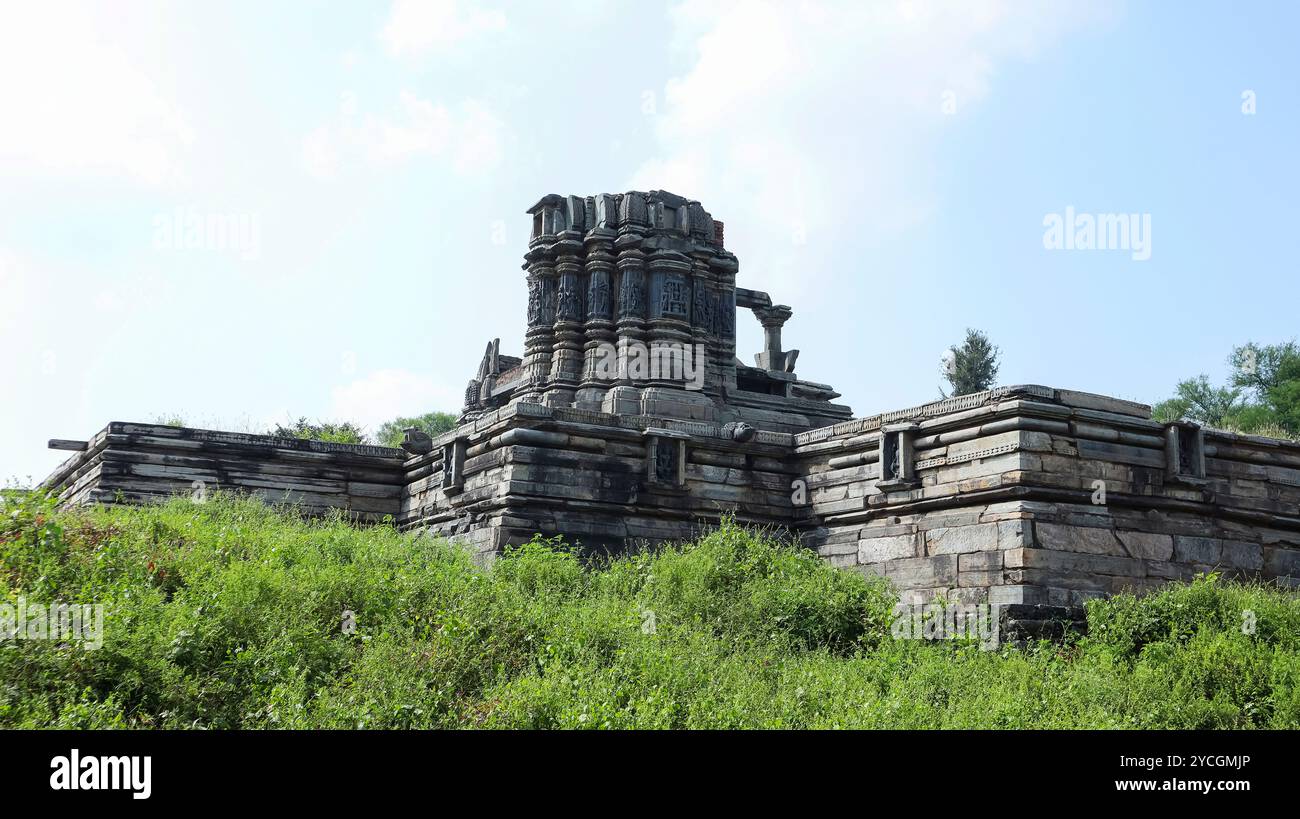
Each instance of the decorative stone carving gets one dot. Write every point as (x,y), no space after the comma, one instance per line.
(673,298)
(631,296)
(739,431)
(665,457)
(897,463)
(541,300)
(568,305)
(416,441)
(599,305)
(704,311)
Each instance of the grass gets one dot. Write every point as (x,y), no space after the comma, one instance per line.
(228,615)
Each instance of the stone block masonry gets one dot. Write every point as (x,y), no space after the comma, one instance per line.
(1025,496)
(137,463)
(1029,495)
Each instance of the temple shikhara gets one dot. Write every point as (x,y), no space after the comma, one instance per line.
(645,277)
(628,420)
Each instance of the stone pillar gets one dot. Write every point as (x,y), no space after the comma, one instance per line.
(725,268)
(704,324)
(630,328)
(566,358)
(541,317)
(773,358)
(670,312)
(599,367)
(669,336)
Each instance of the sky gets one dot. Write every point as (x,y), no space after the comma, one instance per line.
(246,212)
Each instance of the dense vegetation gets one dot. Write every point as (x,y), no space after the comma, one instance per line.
(228,614)
(1261,396)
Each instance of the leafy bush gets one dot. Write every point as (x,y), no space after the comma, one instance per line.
(231,614)
(392,432)
(344,432)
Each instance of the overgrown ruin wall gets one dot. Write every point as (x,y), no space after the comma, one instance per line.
(136,463)
(993,497)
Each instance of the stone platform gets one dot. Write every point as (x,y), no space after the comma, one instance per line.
(998,501)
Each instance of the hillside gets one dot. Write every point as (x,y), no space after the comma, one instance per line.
(230,614)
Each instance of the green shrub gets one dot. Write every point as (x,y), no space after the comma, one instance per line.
(231,614)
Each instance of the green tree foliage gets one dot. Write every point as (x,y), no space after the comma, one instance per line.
(336,433)
(345,432)
(1198,400)
(434,423)
(1262,395)
(973,366)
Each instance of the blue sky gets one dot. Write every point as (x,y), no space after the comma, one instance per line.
(884,168)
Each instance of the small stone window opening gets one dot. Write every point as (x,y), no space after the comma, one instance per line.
(453,466)
(665,458)
(897,462)
(1184,451)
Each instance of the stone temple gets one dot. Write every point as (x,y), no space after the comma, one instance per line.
(627,420)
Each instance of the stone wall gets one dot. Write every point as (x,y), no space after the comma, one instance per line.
(135,463)
(590,476)
(1044,496)
(1021,495)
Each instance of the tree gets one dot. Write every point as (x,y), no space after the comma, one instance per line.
(1197,400)
(1262,396)
(1272,375)
(1263,369)
(434,423)
(972,367)
(336,433)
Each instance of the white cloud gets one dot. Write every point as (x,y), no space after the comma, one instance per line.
(468,138)
(416,26)
(789,107)
(77,99)
(386,394)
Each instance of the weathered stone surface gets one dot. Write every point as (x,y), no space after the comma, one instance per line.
(1016,534)
(979,561)
(1147,545)
(889,547)
(1086,539)
(954,540)
(1239,555)
(1205,550)
(922,572)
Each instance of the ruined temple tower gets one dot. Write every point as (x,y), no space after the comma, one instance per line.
(644,280)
